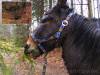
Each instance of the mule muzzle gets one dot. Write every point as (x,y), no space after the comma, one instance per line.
(33,52)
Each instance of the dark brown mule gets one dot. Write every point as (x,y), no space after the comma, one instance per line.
(78,36)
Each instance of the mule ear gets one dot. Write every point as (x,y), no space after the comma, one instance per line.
(62,2)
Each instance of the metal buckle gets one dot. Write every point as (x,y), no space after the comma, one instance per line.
(65,23)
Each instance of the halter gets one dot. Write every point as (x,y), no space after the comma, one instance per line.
(58,33)
(57,36)
(64,24)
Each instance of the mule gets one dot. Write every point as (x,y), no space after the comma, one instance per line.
(78,36)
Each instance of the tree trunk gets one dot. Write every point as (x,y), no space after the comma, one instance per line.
(90,14)
(41,8)
(82,7)
(50,4)
(98,8)
(38,7)
(72,4)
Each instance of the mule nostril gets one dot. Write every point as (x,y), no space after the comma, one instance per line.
(26,47)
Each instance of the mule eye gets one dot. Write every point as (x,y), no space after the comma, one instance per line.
(47,19)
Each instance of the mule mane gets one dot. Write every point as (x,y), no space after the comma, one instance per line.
(85,32)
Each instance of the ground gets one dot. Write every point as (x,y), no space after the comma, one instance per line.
(55,65)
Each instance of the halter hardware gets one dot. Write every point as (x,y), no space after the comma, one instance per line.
(64,24)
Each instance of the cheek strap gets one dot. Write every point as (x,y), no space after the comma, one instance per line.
(42,48)
(63,25)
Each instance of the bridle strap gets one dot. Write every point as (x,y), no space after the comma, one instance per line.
(57,35)
(42,48)
(64,24)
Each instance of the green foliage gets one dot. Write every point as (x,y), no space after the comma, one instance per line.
(3,68)
(20,34)
(6,46)
(12,40)
(6,70)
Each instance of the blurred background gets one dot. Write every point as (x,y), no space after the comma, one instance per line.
(13,37)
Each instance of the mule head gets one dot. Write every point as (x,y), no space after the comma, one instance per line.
(51,21)
(48,26)
(32,48)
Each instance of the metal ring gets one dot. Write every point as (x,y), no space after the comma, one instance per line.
(64,22)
